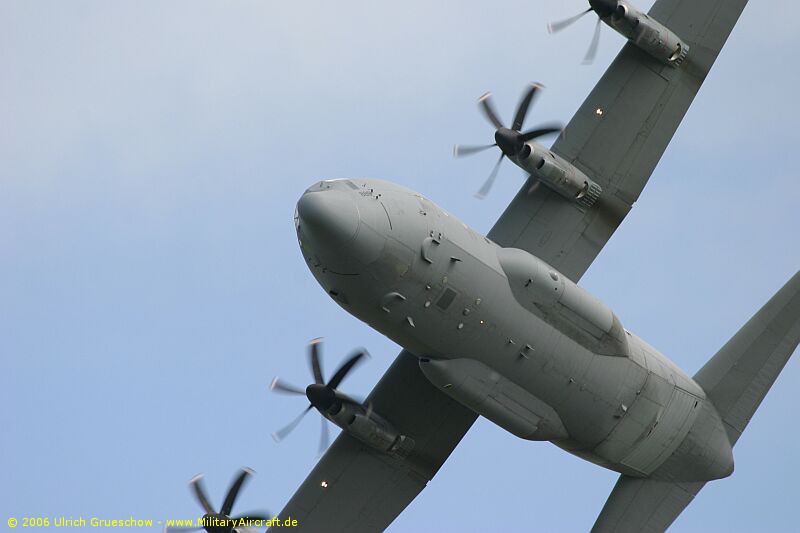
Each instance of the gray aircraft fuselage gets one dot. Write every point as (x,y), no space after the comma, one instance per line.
(506,334)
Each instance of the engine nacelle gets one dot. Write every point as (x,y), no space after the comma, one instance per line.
(371,429)
(648,34)
(558,174)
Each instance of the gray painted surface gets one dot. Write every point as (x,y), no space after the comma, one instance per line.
(502,329)
(739,376)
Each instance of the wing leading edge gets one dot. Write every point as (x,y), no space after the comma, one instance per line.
(642,102)
(617,138)
(644,505)
(736,380)
(365,490)
(622,163)
(740,375)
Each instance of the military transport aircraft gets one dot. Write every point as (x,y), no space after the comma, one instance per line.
(497,326)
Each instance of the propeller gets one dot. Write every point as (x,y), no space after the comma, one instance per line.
(321,395)
(603,9)
(511,141)
(220,521)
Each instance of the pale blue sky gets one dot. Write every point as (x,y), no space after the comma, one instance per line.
(151,286)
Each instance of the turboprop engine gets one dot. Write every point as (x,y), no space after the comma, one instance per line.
(354,417)
(558,174)
(638,27)
(518,146)
(648,34)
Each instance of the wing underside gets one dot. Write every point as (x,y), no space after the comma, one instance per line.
(642,104)
(617,138)
(740,375)
(354,488)
(644,505)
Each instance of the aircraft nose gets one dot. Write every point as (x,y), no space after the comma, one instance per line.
(330,217)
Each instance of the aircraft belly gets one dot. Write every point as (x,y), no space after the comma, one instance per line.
(446,294)
(468,312)
(652,428)
(667,433)
(595,400)
(495,397)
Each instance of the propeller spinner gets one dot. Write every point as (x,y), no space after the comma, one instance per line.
(322,396)
(511,141)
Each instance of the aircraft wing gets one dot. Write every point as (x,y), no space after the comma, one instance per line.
(644,505)
(641,104)
(617,138)
(365,490)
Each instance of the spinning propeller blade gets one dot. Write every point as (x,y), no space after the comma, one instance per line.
(485,102)
(510,140)
(196,485)
(233,491)
(316,365)
(592,51)
(288,428)
(461,151)
(279,386)
(345,369)
(321,395)
(555,27)
(487,185)
(603,9)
